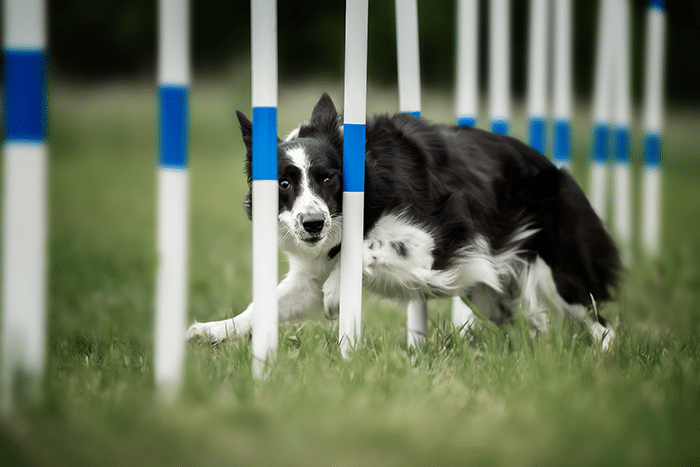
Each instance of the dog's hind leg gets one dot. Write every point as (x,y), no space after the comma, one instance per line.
(601,332)
(539,295)
(490,303)
(463,317)
(598,327)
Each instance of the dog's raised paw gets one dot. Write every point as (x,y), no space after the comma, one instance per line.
(331,309)
(196,332)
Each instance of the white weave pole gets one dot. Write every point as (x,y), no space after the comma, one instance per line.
(408,57)
(537,67)
(350,320)
(264,185)
(622,115)
(499,63)
(602,109)
(563,82)
(173,196)
(466,108)
(24,220)
(467,79)
(653,126)
(408,61)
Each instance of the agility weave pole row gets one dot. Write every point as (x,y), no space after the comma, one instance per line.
(612,108)
(612,100)
(24,221)
(540,36)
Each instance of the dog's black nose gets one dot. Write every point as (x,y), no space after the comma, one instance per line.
(313,223)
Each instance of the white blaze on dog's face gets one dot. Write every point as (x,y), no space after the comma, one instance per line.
(310,195)
(310,181)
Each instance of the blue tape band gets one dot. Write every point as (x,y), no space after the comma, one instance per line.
(354,157)
(622,144)
(536,134)
(173,108)
(500,127)
(601,136)
(25,98)
(562,141)
(658,4)
(414,113)
(652,149)
(264,143)
(466,121)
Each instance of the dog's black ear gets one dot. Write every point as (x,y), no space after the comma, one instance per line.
(324,123)
(246,129)
(247,133)
(324,112)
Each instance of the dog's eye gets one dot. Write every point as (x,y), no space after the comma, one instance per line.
(327,179)
(284,184)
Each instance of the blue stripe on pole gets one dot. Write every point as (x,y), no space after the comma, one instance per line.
(173,108)
(414,113)
(25,98)
(622,144)
(536,134)
(601,135)
(652,149)
(354,157)
(658,4)
(466,121)
(562,141)
(500,126)
(264,143)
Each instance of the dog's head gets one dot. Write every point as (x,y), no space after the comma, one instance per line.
(310,180)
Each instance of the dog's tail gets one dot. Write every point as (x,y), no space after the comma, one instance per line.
(572,240)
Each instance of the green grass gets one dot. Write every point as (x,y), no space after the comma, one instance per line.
(502,398)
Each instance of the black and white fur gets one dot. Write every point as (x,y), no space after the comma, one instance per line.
(448,211)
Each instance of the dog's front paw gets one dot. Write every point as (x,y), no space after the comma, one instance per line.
(214,332)
(197,332)
(331,295)
(194,332)
(603,335)
(331,308)
(331,299)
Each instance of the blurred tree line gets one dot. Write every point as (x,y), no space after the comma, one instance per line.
(117,38)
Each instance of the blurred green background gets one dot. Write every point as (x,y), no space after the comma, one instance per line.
(107,38)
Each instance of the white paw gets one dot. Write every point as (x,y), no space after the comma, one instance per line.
(215,332)
(195,332)
(602,334)
(331,306)
(331,295)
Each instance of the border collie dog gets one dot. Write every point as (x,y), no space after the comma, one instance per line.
(448,211)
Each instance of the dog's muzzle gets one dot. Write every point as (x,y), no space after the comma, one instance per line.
(313,223)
